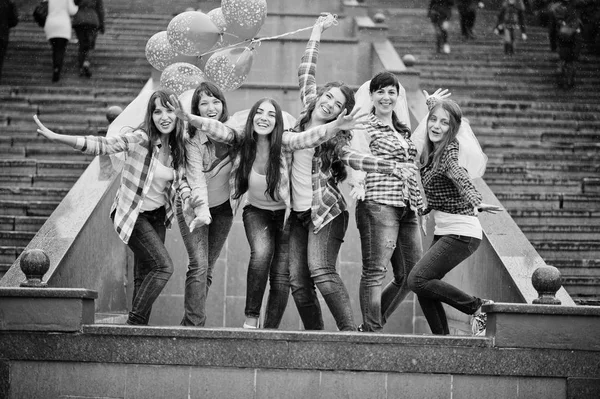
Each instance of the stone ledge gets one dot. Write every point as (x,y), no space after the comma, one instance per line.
(238,348)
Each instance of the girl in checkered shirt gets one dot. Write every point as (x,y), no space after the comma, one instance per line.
(454,202)
(144,205)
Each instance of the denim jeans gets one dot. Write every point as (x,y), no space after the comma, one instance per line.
(152,267)
(269,241)
(387,234)
(203,246)
(312,262)
(445,253)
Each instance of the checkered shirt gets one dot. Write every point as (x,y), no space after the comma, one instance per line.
(136,175)
(385,189)
(449,188)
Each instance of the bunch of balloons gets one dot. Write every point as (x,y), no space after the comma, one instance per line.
(197,46)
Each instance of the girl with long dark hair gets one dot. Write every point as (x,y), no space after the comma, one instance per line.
(144,205)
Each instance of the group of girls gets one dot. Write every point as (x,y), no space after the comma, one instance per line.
(294,214)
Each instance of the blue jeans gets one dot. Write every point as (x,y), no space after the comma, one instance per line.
(445,253)
(268,239)
(203,246)
(152,266)
(387,233)
(313,259)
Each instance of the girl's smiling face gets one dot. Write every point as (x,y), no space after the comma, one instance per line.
(264,119)
(385,99)
(210,107)
(438,125)
(163,117)
(330,104)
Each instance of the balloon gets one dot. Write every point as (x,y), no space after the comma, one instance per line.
(217,17)
(161,54)
(229,68)
(181,76)
(244,17)
(192,33)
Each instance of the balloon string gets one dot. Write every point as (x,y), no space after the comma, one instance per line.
(324,18)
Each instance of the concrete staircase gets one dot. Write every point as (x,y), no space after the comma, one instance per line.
(543,142)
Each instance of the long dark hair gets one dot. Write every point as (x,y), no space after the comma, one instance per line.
(433,155)
(246,150)
(385,79)
(176,137)
(329,152)
(211,90)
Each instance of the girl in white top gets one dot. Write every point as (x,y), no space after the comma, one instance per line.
(58,31)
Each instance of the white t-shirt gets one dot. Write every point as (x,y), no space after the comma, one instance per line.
(157,196)
(257,186)
(463,225)
(302,180)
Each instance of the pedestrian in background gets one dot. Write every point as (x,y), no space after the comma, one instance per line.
(439,13)
(88,21)
(9,18)
(58,32)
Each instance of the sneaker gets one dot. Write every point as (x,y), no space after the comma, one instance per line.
(479,321)
(361,328)
(446,48)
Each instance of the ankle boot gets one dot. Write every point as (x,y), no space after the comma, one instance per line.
(55,75)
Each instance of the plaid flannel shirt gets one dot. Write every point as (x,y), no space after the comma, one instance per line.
(385,189)
(449,188)
(327,199)
(291,141)
(136,175)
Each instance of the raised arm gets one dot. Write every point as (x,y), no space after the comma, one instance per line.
(308,64)
(372,164)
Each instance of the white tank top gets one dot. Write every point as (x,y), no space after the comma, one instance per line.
(157,196)
(462,225)
(302,180)
(257,185)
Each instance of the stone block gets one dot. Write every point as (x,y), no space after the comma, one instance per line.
(583,388)
(276,384)
(546,388)
(351,385)
(46,309)
(222,383)
(470,386)
(408,386)
(156,382)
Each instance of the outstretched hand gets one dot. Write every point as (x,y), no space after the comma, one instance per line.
(353,120)
(440,94)
(175,105)
(489,208)
(358,192)
(404,170)
(44,131)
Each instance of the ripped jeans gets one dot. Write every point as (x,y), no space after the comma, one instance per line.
(387,234)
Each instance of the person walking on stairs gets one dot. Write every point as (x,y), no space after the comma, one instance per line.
(510,18)
(439,13)
(58,32)
(467,11)
(143,208)
(87,22)
(450,156)
(9,18)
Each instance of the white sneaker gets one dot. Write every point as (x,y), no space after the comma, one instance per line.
(447,48)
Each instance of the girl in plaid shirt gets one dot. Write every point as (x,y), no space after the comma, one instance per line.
(454,202)
(143,207)
(319,218)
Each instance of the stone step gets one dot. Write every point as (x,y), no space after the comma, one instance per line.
(533,185)
(581,286)
(21,223)
(548,201)
(587,300)
(567,249)
(558,233)
(524,106)
(576,267)
(540,149)
(8,254)
(16,238)
(575,171)
(564,217)
(32,193)
(28,208)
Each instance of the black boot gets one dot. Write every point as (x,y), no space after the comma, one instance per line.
(55,75)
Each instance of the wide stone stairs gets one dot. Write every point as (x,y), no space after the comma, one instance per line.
(543,141)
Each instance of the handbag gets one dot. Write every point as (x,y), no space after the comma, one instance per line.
(40,13)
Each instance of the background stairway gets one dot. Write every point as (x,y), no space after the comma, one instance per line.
(543,142)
